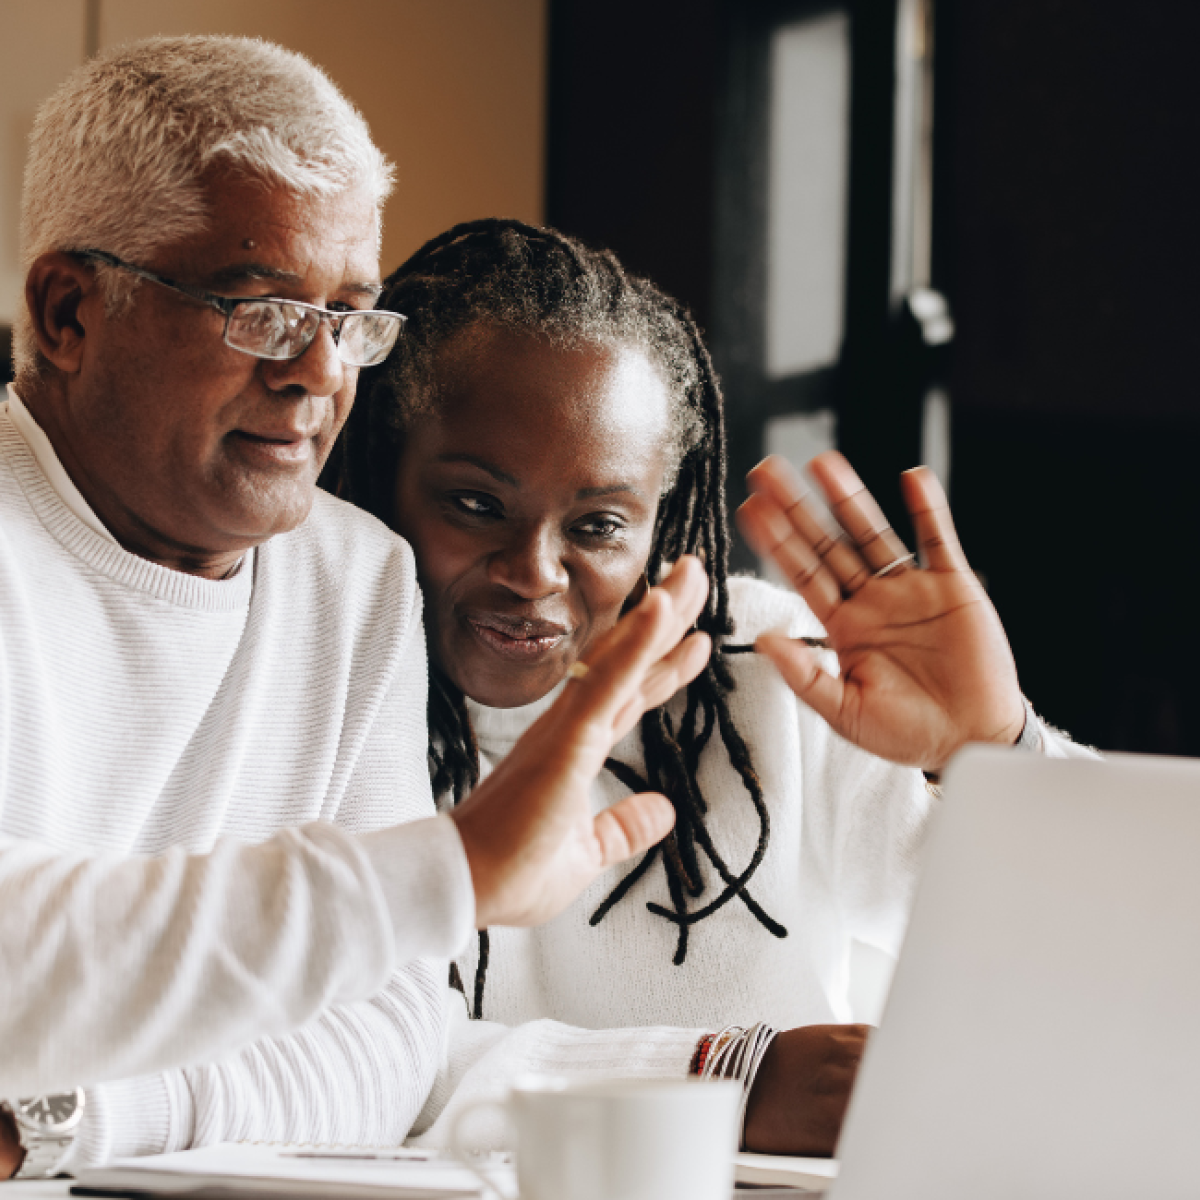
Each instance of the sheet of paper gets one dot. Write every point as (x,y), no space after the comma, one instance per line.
(778,1169)
(294,1169)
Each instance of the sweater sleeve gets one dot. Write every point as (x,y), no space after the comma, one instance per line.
(113,967)
(481,1059)
(359,1072)
(1057,744)
(357,1075)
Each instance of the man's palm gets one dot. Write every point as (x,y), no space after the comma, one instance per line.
(528,829)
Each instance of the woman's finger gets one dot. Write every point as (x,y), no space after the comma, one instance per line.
(775,479)
(856,511)
(772,535)
(802,672)
(930,510)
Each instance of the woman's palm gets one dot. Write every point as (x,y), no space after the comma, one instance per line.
(924,663)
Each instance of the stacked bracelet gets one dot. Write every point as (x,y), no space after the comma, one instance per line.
(734,1053)
(703,1048)
(1032,738)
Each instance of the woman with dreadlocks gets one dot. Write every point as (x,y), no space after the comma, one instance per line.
(548,435)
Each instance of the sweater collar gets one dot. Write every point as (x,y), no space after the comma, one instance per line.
(497,729)
(56,475)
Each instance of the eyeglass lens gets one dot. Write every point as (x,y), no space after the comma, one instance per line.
(278,330)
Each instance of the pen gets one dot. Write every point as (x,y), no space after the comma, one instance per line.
(817,643)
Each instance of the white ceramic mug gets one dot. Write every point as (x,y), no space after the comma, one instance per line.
(620,1139)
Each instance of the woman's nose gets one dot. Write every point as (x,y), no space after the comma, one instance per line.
(530,565)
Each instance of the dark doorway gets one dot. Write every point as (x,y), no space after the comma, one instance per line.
(1067,241)
(1063,205)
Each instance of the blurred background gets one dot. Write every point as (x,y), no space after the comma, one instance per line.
(948,231)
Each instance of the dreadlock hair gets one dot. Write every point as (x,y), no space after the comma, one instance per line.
(509,275)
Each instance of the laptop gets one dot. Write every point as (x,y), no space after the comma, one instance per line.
(1041,1039)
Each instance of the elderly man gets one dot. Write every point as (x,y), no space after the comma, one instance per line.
(212,705)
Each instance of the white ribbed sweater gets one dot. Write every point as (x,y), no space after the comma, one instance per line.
(158,731)
(571,998)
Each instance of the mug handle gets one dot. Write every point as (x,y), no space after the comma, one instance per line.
(458,1145)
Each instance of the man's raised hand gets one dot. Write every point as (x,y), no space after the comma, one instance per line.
(925,665)
(528,830)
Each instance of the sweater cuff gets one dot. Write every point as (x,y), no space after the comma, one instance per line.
(130,1117)
(425,878)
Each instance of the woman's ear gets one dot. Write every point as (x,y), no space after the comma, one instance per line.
(55,289)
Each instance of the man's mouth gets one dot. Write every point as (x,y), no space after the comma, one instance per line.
(517,639)
(285,447)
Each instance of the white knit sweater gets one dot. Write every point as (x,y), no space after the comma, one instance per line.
(570,998)
(189,771)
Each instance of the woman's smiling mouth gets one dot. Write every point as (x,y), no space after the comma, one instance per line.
(516,638)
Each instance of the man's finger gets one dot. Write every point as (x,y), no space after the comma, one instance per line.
(618,667)
(802,672)
(686,574)
(930,510)
(773,536)
(664,679)
(856,510)
(775,479)
(632,825)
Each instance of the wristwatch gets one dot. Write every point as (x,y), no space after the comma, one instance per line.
(46,1127)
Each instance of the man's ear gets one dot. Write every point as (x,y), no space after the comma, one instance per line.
(56,288)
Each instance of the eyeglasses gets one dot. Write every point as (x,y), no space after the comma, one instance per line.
(282,329)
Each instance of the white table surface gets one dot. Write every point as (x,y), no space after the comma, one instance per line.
(35,1189)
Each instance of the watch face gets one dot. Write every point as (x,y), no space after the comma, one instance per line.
(50,1113)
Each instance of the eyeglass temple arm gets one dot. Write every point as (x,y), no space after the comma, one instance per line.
(222,304)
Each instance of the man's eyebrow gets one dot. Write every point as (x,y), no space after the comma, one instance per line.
(250,272)
(482,463)
(236,274)
(373,290)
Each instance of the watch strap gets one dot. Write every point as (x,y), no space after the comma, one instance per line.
(43,1153)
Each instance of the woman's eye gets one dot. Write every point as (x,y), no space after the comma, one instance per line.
(600,528)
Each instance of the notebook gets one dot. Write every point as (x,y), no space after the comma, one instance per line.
(259,1172)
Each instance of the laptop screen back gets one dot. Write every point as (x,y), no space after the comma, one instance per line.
(1042,1035)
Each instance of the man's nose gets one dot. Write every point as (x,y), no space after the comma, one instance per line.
(531,564)
(319,370)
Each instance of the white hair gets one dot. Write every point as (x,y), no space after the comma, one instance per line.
(117,154)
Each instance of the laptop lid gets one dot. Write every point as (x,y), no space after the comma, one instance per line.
(1042,1035)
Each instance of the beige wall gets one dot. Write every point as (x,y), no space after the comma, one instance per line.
(39,45)
(454,91)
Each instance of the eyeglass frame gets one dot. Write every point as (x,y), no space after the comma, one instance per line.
(227,305)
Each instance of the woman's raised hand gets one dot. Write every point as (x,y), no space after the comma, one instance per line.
(925,665)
